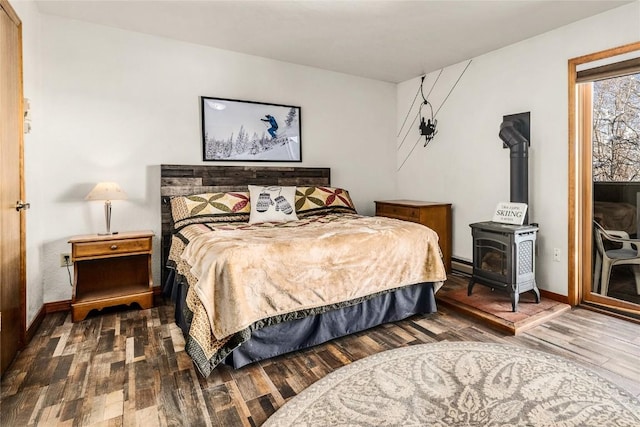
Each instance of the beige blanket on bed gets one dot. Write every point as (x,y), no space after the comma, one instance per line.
(247,276)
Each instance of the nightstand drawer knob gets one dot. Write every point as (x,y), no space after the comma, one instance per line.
(114,247)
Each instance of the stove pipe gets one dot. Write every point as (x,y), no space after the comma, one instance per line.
(515,134)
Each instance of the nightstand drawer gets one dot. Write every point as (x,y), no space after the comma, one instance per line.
(399,212)
(111,247)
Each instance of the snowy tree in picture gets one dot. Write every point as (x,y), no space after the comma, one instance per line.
(291,118)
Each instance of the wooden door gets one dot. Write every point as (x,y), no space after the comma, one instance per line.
(12,221)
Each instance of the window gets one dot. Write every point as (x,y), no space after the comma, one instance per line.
(616,129)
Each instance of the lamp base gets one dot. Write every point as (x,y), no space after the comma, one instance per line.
(108,234)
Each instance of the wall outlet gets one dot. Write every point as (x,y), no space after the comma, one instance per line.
(65,259)
(556,254)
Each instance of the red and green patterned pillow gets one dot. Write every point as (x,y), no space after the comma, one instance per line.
(322,200)
(236,206)
(210,207)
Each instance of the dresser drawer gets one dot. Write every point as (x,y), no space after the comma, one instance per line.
(435,215)
(111,247)
(400,212)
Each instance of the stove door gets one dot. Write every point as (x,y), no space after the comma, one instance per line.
(492,257)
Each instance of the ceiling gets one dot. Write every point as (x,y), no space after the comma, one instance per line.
(385,40)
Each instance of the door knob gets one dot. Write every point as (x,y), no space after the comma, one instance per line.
(22,205)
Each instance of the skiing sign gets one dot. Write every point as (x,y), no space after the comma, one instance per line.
(510,213)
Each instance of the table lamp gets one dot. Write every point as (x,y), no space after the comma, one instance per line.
(107,191)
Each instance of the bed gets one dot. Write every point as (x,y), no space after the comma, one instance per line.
(247,290)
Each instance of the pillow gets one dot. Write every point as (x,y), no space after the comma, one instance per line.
(210,207)
(272,204)
(322,200)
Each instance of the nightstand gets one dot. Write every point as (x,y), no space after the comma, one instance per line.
(436,216)
(111,270)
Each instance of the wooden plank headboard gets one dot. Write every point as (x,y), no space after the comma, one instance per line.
(181,180)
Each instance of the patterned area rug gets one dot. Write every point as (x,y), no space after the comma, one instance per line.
(461,384)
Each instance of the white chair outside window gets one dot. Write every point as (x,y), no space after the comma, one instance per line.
(629,254)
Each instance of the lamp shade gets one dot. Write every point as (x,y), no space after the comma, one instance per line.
(106,191)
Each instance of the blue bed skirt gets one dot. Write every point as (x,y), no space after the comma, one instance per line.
(281,338)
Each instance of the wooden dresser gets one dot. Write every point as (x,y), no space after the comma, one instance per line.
(111,270)
(434,215)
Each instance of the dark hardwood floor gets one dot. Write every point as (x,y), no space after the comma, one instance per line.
(129,367)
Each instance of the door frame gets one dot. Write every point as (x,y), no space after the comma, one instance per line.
(581,197)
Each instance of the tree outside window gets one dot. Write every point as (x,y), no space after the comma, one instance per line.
(616,129)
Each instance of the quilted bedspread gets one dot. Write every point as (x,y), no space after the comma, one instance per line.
(240,275)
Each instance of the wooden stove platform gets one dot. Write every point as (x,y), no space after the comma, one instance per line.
(493,307)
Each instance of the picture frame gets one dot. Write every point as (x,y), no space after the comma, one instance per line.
(236,130)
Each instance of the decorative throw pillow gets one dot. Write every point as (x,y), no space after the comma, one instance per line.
(322,200)
(210,207)
(272,204)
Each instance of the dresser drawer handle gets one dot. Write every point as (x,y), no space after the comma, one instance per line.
(114,247)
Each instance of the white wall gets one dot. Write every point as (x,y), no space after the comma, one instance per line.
(109,104)
(117,104)
(465,163)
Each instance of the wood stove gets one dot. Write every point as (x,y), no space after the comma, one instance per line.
(504,258)
(504,254)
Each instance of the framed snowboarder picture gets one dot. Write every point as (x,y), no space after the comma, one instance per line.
(234,130)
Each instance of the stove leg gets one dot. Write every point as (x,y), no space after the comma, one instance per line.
(470,287)
(537,293)
(515,296)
